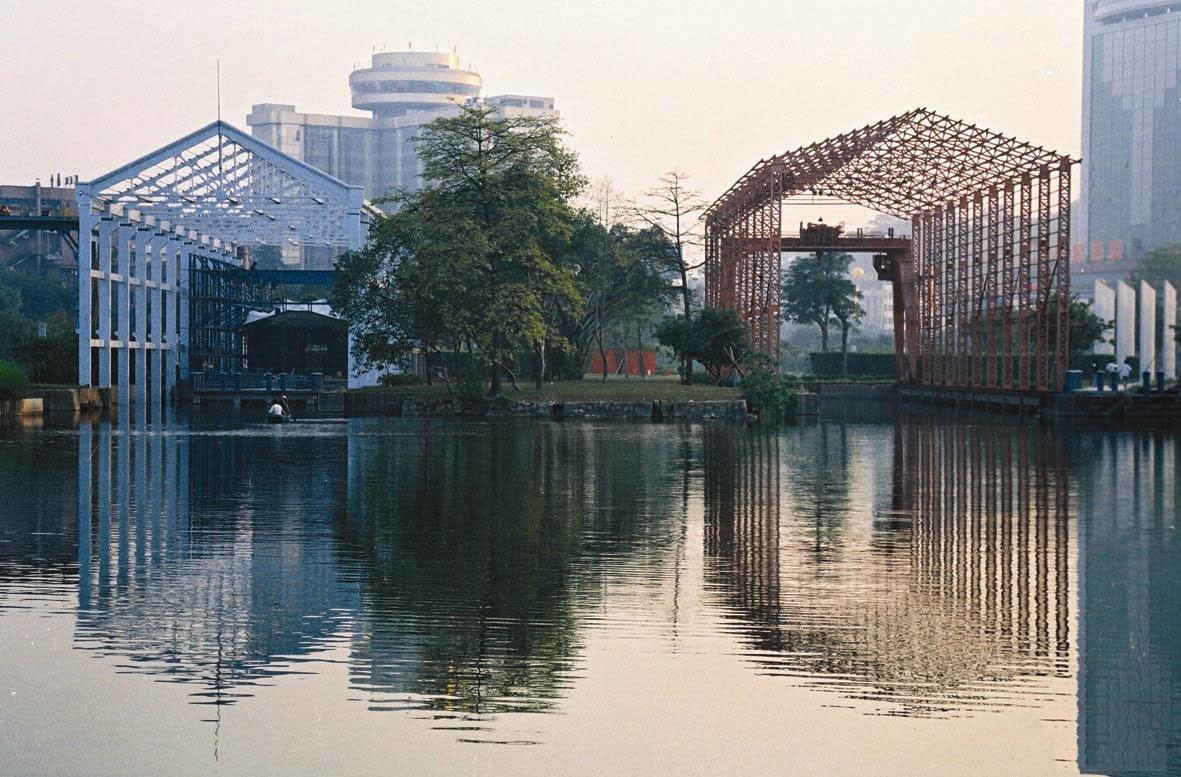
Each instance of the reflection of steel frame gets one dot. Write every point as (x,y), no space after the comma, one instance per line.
(982,300)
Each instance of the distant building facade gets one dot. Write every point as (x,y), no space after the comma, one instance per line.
(39,252)
(1131,127)
(402,92)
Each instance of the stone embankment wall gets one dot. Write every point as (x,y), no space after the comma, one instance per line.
(379,403)
(11,409)
(44,401)
(886,390)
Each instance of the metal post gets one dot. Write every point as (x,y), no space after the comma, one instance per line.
(106,229)
(87,222)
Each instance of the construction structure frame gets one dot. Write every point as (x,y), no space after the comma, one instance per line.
(162,287)
(981,299)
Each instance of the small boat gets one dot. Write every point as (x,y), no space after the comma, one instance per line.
(277,415)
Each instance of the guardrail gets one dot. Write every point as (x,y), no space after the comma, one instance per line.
(266,381)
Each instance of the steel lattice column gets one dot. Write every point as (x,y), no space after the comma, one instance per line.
(1062,276)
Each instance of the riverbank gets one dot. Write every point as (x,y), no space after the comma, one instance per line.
(398,404)
(51,399)
(651,399)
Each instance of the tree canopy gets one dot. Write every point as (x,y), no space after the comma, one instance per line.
(715,338)
(476,259)
(817,291)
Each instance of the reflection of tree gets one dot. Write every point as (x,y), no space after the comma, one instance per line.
(1130,604)
(182,577)
(472,547)
(961,585)
(36,533)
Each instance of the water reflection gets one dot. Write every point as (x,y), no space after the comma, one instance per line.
(180,571)
(1129,679)
(458,573)
(476,549)
(939,589)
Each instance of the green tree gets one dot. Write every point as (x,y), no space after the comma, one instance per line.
(621,277)
(848,312)
(475,257)
(715,338)
(673,208)
(1086,328)
(1162,264)
(817,291)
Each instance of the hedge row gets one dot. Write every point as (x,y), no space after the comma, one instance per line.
(861,365)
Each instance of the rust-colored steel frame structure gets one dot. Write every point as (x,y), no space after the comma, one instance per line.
(982,301)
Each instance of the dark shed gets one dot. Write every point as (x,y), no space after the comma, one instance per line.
(297,340)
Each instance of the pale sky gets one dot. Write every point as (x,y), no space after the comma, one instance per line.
(643,86)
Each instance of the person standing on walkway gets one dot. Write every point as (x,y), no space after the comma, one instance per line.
(1113,375)
(1125,372)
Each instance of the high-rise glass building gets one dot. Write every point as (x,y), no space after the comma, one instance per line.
(1131,131)
(401,92)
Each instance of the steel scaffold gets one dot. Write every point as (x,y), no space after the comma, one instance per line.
(986,287)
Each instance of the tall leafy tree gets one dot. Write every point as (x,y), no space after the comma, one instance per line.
(817,290)
(475,258)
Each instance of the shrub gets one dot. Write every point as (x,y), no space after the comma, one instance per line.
(769,393)
(13,381)
(400,379)
(470,386)
(869,365)
(52,359)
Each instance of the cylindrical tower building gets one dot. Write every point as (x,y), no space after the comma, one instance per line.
(397,83)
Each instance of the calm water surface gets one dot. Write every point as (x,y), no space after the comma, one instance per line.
(921,596)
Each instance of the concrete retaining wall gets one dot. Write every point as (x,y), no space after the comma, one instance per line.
(11,409)
(379,403)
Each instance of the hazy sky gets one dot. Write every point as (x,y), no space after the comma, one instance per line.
(643,86)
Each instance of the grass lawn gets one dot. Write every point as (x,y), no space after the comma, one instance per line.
(591,389)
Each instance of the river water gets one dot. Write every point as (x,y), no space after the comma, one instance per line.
(915,596)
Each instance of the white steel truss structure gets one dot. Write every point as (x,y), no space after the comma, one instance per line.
(195,201)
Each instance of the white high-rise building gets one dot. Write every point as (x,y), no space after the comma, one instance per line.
(402,91)
(1131,131)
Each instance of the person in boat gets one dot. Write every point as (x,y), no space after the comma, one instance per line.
(275,413)
(284,405)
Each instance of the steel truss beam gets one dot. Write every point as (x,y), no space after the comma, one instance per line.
(986,299)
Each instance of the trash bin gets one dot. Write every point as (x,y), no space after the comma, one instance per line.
(1146,380)
(1160,380)
(1100,381)
(1074,381)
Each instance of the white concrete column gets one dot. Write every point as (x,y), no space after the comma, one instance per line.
(156,293)
(86,224)
(1105,309)
(176,254)
(1147,344)
(182,308)
(142,241)
(1125,322)
(124,245)
(1168,357)
(106,229)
